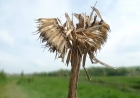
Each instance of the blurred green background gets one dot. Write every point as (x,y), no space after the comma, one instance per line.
(105,83)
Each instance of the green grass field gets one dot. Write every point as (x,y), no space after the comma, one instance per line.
(57,87)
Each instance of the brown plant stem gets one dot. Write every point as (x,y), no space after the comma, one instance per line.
(73,83)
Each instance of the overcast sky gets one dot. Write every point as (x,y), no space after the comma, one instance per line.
(19,49)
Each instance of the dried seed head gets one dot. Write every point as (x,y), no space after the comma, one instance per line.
(105,25)
(102,29)
(87,37)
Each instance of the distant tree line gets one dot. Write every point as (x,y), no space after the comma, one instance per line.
(96,71)
(2,74)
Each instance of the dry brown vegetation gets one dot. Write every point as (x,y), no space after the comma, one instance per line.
(64,38)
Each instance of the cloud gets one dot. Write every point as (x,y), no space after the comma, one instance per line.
(20,50)
(6,38)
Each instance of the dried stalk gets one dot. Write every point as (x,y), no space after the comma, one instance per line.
(73,83)
(87,37)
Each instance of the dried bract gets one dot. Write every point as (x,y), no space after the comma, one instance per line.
(86,38)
